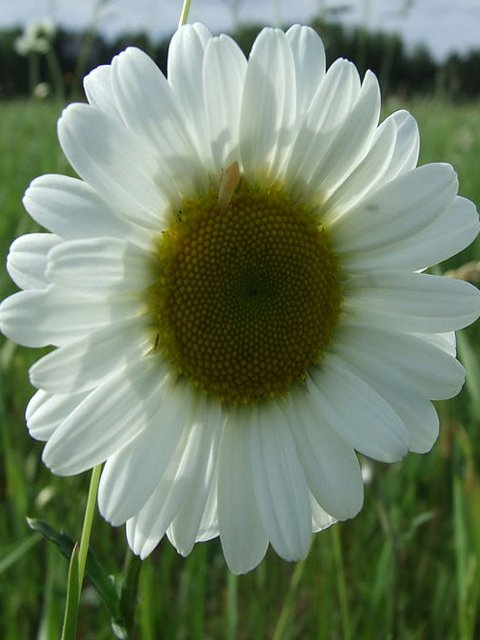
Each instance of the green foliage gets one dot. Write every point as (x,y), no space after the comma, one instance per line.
(13,67)
(407,567)
(459,75)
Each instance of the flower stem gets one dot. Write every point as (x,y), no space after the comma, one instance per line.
(87,524)
(184,14)
(341,583)
(69,628)
(56,73)
(232,606)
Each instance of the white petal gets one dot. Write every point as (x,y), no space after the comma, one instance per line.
(332,102)
(45,412)
(418,415)
(27,259)
(451,232)
(208,527)
(334,98)
(396,211)
(367,174)
(186,524)
(106,420)
(185,64)
(280,485)
(420,362)
(309,58)
(395,386)
(151,111)
(72,209)
(190,464)
(224,71)
(405,154)
(448,234)
(185,56)
(394,151)
(98,89)
(331,467)
(131,474)
(243,537)
(320,519)
(357,412)
(268,106)
(351,142)
(19,315)
(445,341)
(86,363)
(115,163)
(147,527)
(55,316)
(99,264)
(414,302)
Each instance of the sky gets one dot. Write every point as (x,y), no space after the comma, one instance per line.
(443,26)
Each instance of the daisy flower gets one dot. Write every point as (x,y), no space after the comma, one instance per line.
(36,38)
(235,294)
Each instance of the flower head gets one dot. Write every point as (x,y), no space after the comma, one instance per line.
(36,38)
(235,295)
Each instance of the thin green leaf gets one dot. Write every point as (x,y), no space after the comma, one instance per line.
(128,596)
(469,357)
(97,576)
(18,551)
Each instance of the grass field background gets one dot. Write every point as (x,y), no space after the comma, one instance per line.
(408,567)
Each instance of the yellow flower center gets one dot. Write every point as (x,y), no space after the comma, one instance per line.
(246,295)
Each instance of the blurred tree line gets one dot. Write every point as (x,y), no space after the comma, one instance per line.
(400,71)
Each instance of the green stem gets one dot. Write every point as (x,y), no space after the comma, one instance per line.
(232,606)
(56,74)
(286,612)
(87,524)
(33,72)
(69,629)
(341,584)
(184,14)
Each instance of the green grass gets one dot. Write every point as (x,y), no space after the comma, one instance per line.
(408,567)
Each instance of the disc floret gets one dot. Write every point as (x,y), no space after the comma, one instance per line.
(246,296)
